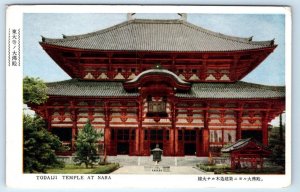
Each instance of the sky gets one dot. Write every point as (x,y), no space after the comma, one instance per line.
(52,25)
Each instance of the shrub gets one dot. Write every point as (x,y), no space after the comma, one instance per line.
(105,169)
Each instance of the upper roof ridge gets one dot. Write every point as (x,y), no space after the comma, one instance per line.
(247,40)
(128,34)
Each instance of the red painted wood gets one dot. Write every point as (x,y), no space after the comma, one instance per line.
(205,142)
(140,146)
(238,125)
(265,129)
(231,61)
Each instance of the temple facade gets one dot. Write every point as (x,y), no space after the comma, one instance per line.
(166,82)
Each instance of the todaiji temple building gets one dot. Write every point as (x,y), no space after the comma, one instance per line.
(168,82)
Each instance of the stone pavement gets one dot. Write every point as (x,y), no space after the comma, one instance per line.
(180,170)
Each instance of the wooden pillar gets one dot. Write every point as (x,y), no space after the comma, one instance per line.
(205,135)
(74,124)
(107,130)
(140,124)
(265,129)
(137,143)
(176,153)
(173,139)
(139,129)
(238,125)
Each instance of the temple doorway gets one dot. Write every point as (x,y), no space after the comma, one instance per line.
(122,141)
(123,148)
(189,142)
(154,136)
(190,149)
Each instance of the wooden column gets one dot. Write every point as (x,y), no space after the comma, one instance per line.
(140,128)
(205,135)
(107,131)
(176,153)
(74,125)
(238,125)
(173,139)
(265,128)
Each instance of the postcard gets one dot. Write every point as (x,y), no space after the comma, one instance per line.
(102,96)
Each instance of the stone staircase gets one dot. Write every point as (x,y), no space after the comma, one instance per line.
(126,160)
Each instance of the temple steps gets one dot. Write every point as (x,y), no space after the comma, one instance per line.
(126,160)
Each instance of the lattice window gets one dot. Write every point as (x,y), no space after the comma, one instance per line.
(229,136)
(215,136)
(156,106)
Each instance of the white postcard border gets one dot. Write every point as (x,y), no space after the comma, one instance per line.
(14,108)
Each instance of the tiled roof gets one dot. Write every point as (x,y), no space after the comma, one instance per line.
(76,87)
(238,90)
(237,145)
(242,143)
(158,35)
(158,71)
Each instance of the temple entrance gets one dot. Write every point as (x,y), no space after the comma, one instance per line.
(122,141)
(157,136)
(190,149)
(189,142)
(123,148)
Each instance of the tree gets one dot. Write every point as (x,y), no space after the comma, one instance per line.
(34,91)
(39,146)
(86,145)
(277,145)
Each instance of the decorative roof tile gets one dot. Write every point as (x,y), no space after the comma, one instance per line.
(240,144)
(75,87)
(238,90)
(157,35)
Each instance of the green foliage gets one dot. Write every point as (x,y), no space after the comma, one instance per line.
(75,169)
(105,169)
(34,91)
(214,168)
(86,145)
(277,144)
(39,146)
(278,148)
